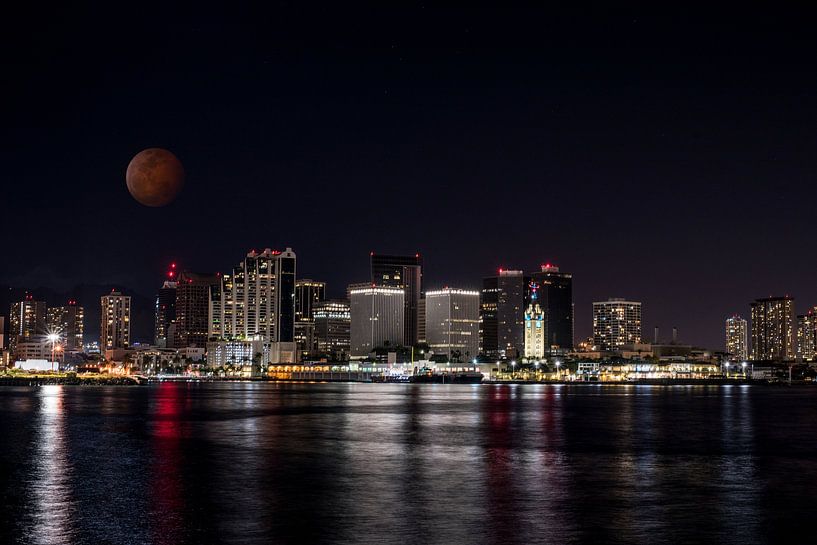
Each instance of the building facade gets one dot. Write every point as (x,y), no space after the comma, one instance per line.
(406,272)
(552,290)
(616,322)
(376,314)
(737,338)
(773,335)
(69,323)
(165,315)
(257,300)
(807,335)
(115,324)
(333,321)
(193,309)
(308,293)
(452,323)
(535,332)
(27,319)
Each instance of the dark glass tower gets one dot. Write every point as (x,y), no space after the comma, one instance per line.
(502,314)
(553,290)
(402,272)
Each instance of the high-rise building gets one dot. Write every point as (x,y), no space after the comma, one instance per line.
(552,290)
(421,319)
(257,300)
(807,335)
(488,324)
(193,309)
(27,319)
(616,322)
(69,323)
(773,329)
(404,272)
(736,338)
(535,332)
(115,323)
(510,312)
(165,313)
(377,314)
(452,323)
(307,294)
(332,328)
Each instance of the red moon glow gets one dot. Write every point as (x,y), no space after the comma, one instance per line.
(154,177)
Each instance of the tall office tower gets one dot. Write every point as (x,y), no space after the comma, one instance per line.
(616,322)
(192,309)
(773,329)
(553,291)
(736,338)
(405,272)
(27,319)
(165,311)
(69,323)
(307,294)
(807,335)
(332,324)
(377,314)
(115,324)
(510,312)
(535,332)
(2,337)
(257,300)
(452,323)
(488,325)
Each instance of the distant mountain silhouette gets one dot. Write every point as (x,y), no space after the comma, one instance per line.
(87,296)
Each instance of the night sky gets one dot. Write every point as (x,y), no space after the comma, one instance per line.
(668,158)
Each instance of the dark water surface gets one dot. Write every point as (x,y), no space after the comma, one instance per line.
(393,463)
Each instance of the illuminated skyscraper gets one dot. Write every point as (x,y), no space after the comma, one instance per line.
(115,324)
(257,300)
(165,311)
(398,271)
(773,334)
(502,314)
(27,319)
(307,294)
(807,335)
(69,323)
(736,338)
(616,322)
(553,291)
(452,323)
(192,309)
(332,328)
(535,328)
(377,314)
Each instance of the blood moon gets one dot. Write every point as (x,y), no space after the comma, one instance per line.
(155,177)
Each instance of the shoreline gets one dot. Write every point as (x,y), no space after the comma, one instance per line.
(144,381)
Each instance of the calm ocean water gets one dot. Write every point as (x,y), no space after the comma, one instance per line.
(401,463)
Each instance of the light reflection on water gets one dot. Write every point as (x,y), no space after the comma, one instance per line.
(358,463)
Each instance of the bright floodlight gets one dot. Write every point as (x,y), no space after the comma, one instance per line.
(53,337)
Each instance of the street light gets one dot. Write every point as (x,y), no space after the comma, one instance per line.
(53,338)
(744,369)
(558,371)
(513,369)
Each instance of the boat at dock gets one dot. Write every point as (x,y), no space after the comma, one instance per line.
(427,376)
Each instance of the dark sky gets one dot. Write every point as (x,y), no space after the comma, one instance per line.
(663,157)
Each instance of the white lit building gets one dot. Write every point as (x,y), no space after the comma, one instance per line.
(452,323)
(807,335)
(616,322)
(376,317)
(115,323)
(257,300)
(737,338)
(534,332)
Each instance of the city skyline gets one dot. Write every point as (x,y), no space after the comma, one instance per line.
(474,115)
